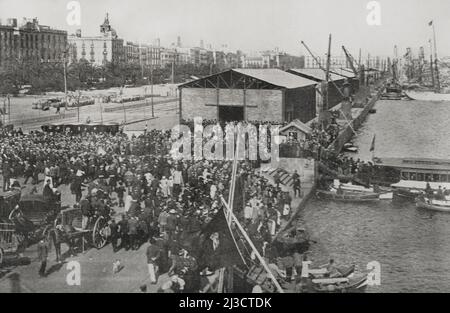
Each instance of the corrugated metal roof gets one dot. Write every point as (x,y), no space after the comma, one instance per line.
(316,73)
(277,77)
(344,72)
(298,124)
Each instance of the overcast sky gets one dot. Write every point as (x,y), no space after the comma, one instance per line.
(253,25)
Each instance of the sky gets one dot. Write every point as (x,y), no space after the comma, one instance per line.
(254,25)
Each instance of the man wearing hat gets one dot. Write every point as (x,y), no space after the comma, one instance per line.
(133,232)
(47,192)
(153,254)
(120,190)
(43,255)
(172,222)
(123,232)
(162,219)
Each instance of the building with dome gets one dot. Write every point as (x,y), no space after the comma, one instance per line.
(98,50)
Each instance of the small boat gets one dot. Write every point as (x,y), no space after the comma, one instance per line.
(349,147)
(427,96)
(386,196)
(340,285)
(434,205)
(321,272)
(347,196)
(405,194)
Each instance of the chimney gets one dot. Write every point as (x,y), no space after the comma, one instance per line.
(202,45)
(179,42)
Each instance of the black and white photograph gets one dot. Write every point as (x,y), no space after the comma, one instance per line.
(224,147)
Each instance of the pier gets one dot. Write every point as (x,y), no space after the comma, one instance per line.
(359,116)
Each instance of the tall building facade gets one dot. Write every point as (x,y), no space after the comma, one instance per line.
(97,50)
(30,42)
(272,59)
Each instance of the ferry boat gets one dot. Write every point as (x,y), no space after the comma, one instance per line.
(413,174)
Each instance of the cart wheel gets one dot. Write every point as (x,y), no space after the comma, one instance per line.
(100,233)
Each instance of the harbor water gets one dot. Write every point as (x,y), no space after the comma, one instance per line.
(412,245)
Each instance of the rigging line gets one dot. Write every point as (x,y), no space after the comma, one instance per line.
(260,258)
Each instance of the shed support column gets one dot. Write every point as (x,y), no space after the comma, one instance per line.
(217,106)
(283,105)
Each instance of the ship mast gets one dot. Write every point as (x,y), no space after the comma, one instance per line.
(431,63)
(438,84)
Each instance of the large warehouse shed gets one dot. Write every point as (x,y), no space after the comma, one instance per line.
(318,75)
(249,94)
(350,75)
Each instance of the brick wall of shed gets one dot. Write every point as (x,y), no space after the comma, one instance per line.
(260,104)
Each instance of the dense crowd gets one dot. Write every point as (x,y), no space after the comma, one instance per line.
(165,201)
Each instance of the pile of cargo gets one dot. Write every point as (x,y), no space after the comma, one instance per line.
(124,99)
(83,101)
(45,104)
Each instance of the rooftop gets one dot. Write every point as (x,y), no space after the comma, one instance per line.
(346,72)
(258,79)
(316,73)
(299,125)
(277,77)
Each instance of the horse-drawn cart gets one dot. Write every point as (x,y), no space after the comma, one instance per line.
(93,231)
(33,218)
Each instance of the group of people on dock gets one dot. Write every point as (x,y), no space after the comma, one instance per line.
(152,197)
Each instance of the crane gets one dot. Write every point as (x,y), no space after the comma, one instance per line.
(351,61)
(327,78)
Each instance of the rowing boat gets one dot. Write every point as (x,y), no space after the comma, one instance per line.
(322,272)
(347,196)
(434,205)
(404,194)
(340,285)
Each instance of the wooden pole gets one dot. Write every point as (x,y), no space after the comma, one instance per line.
(438,84)
(431,64)
(260,258)
(327,73)
(359,59)
(151,90)
(173,72)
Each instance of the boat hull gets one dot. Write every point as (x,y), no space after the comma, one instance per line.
(356,285)
(428,96)
(347,197)
(405,195)
(428,206)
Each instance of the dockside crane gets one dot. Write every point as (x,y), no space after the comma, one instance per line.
(351,61)
(324,86)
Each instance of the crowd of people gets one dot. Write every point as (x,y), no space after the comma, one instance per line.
(165,202)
